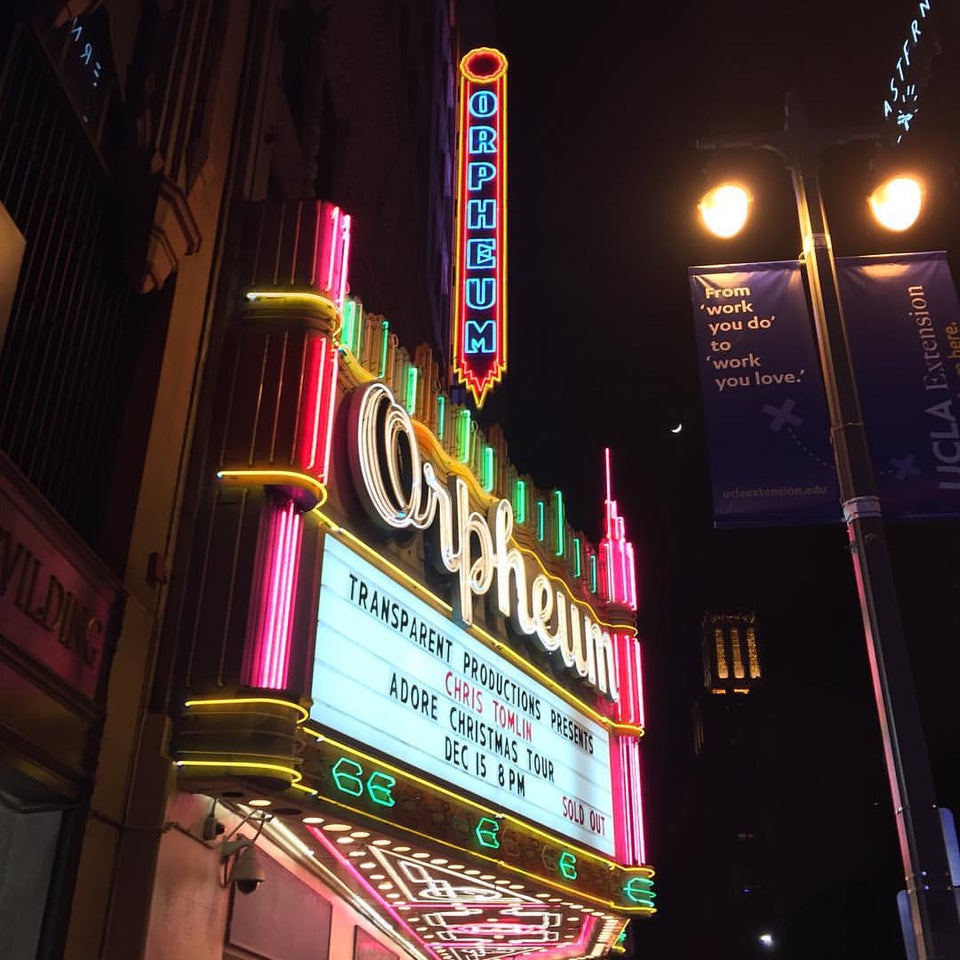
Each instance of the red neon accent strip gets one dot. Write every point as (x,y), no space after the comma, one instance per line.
(317,406)
(310,405)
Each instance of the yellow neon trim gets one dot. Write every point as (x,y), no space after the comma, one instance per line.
(490,52)
(350,360)
(647,872)
(245,764)
(270,477)
(233,701)
(432,599)
(311,790)
(478,633)
(329,306)
(290,295)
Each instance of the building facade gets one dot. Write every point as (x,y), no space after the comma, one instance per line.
(220,477)
(734,820)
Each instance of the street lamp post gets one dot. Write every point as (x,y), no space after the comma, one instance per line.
(933,907)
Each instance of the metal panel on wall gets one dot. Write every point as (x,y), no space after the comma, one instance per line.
(283,920)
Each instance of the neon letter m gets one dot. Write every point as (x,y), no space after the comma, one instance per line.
(481,337)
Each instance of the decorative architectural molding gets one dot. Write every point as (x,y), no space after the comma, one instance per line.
(174,234)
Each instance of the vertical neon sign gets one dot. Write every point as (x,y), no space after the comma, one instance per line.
(479,301)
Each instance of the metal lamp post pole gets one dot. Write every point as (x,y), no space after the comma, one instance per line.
(932,905)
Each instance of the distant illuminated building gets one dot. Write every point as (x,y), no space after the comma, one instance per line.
(731,663)
(733,822)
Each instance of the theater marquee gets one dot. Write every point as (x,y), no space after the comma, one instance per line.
(393,672)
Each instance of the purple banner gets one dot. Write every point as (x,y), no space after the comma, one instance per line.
(766,417)
(766,421)
(903,325)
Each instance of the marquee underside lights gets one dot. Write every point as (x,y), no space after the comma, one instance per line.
(402,491)
(458,911)
(479,296)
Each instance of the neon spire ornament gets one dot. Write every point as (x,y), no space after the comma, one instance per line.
(480,249)
(618,573)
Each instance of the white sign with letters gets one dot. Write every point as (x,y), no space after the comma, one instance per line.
(393,673)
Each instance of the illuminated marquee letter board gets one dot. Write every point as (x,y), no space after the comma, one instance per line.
(480,310)
(394,673)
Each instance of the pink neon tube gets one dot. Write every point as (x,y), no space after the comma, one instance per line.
(341,290)
(271,649)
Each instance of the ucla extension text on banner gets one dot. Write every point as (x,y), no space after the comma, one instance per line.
(766,420)
(766,414)
(903,324)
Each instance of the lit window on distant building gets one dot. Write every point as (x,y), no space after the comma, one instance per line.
(738,671)
(722,671)
(752,657)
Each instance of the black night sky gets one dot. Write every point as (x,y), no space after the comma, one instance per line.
(606,103)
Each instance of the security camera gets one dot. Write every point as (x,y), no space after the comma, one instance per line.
(246,872)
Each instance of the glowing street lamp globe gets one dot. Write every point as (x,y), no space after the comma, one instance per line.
(896,202)
(724,209)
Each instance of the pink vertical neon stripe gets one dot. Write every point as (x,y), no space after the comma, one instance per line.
(332,245)
(341,290)
(323,252)
(273,599)
(281,659)
(638,685)
(639,833)
(621,802)
(263,607)
(271,650)
(628,822)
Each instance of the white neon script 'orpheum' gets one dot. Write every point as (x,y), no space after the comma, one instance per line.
(401,490)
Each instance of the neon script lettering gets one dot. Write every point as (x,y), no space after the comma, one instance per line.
(401,490)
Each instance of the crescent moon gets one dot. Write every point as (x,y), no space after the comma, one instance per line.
(677,428)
